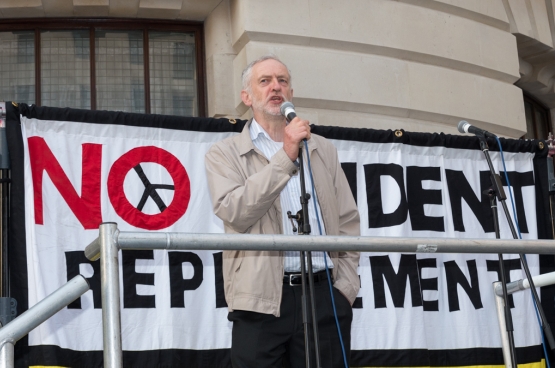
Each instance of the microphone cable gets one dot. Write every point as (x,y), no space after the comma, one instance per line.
(544,345)
(326,260)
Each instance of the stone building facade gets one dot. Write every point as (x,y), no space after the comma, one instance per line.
(419,65)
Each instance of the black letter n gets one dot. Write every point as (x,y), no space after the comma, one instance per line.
(454,277)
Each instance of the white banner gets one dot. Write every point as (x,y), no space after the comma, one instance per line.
(81,174)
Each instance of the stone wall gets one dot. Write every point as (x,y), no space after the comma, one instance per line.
(420,65)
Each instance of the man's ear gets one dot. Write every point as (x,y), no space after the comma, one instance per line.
(246,98)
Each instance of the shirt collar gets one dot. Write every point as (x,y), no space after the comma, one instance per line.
(256,130)
(245,141)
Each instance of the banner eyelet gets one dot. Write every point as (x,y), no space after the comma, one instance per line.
(233,121)
(398,133)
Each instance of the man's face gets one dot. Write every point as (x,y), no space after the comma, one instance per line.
(269,88)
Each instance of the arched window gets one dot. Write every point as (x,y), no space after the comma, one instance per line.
(130,65)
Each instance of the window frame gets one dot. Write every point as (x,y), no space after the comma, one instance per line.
(92,24)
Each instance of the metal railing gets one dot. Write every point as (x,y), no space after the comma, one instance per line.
(40,312)
(111,240)
(513,287)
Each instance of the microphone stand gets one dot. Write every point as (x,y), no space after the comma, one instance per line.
(491,193)
(304,229)
(498,189)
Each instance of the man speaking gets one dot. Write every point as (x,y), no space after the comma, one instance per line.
(254,181)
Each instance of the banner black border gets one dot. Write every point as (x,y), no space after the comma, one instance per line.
(236,125)
(17,251)
(46,355)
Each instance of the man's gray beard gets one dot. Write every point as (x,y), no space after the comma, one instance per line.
(272,113)
(256,105)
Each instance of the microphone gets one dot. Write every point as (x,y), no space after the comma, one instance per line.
(287,109)
(465,127)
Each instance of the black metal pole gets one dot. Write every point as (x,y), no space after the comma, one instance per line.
(508,315)
(4,204)
(304,229)
(501,197)
(552,213)
(5,187)
(304,305)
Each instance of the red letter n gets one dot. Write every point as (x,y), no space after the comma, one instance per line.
(87,207)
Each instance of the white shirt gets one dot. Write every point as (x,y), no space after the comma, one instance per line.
(290,201)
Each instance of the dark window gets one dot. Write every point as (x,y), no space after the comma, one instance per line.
(23,93)
(17,66)
(182,105)
(537,119)
(144,66)
(139,96)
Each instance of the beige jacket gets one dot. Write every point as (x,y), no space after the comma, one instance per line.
(245,189)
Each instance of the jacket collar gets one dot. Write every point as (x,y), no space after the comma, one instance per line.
(245,141)
(246,145)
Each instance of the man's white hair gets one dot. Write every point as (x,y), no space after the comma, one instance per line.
(246,76)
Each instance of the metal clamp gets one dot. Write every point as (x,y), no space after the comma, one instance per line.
(8,310)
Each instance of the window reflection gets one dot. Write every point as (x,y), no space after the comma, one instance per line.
(120,71)
(117,74)
(173,73)
(65,69)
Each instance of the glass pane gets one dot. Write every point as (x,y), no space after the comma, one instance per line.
(173,76)
(65,69)
(528,111)
(541,123)
(17,66)
(120,71)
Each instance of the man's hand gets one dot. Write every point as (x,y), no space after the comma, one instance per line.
(295,132)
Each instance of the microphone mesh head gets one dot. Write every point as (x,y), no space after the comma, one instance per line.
(461,126)
(286,106)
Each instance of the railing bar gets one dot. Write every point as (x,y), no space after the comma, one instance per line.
(43,310)
(189,241)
